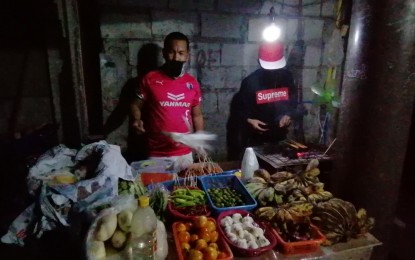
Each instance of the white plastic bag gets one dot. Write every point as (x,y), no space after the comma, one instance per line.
(249,164)
(162,245)
(198,141)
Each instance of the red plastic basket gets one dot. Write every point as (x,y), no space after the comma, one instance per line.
(223,246)
(177,215)
(153,177)
(242,251)
(301,247)
(175,212)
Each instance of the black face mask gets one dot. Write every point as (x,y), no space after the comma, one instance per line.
(174,68)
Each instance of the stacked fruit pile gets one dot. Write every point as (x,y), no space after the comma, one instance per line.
(292,201)
(286,187)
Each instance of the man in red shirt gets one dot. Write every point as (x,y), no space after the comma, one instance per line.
(171,100)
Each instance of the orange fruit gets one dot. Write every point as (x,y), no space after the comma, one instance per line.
(194,255)
(210,225)
(180,227)
(200,244)
(201,221)
(213,236)
(205,236)
(214,245)
(193,238)
(210,253)
(183,236)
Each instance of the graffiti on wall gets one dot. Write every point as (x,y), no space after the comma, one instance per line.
(208,58)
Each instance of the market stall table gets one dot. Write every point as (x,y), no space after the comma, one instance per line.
(359,249)
(278,157)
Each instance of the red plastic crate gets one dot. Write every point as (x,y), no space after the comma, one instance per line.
(153,177)
(301,247)
(176,214)
(223,246)
(242,251)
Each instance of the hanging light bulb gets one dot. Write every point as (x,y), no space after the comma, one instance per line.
(272,32)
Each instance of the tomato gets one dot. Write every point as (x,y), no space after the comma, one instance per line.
(204,235)
(193,238)
(221,255)
(210,253)
(189,226)
(210,225)
(201,221)
(214,245)
(181,227)
(185,246)
(183,236)
(194,255)
(200,244)
(213,236)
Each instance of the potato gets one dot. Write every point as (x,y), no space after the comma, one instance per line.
(97,249)
(106,227)
(118,239)
(124,219)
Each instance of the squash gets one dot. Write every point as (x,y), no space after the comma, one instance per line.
(118,239)
(339,221)
(97,250)
(106,227)
(124,219)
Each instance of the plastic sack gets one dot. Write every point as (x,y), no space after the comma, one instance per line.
(56,201)
(249,164)
(162,245)
(93,247)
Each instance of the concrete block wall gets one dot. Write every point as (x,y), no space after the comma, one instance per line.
(225,35)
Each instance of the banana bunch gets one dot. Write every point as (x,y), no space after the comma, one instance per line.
(254,188)
(316,193)
(285,213)
(320,196)
(281,176)
(300,209)
(296,196)
(287,187)
(266,213)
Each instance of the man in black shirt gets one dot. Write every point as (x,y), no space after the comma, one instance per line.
(265,105)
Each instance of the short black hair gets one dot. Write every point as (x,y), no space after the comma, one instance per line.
(175,36)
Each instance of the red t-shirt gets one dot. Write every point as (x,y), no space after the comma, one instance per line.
(168,103)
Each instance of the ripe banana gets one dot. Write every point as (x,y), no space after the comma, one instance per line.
(281,176)
(266,213)
(257,179)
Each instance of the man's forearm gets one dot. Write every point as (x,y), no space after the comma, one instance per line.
(198,123)
(197,119)
(135,109)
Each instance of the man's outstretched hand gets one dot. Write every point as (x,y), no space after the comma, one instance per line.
(257,125)
(138,126)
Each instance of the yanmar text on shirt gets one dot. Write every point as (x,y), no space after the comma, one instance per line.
(272,95)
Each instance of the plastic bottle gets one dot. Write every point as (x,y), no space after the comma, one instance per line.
(249,164)
(143,231)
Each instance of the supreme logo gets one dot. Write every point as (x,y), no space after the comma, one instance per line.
(271,95)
